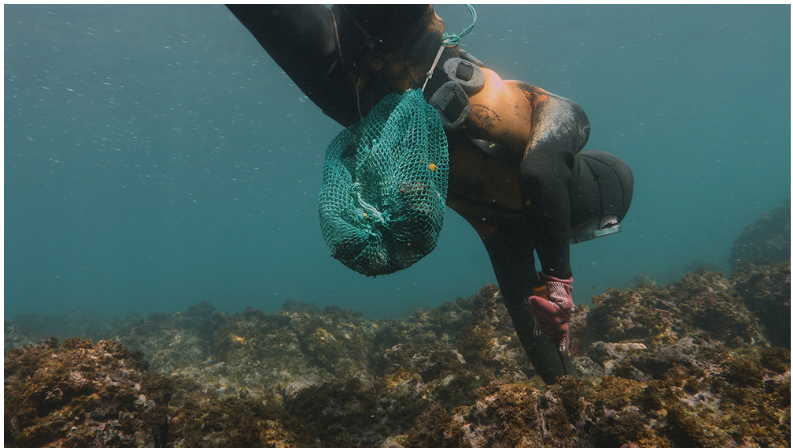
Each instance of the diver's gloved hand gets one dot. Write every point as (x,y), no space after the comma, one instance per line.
(552,314)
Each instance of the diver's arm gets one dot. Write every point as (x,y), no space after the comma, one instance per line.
(512,257)
(560,128)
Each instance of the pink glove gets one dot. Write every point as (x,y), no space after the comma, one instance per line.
(552,315)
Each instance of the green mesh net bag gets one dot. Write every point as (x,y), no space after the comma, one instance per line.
(384,186)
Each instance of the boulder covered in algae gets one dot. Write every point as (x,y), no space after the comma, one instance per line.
(79,394)
(686,365)
(765,240)
(765,290)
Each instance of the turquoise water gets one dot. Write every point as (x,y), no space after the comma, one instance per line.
(155,156)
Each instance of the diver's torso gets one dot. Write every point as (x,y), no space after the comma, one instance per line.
(483,186)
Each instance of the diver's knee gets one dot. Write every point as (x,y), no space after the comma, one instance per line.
(600,195)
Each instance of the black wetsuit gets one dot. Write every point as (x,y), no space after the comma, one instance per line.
(347,58)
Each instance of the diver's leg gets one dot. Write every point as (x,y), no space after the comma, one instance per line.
(332,53)
(512,257)
(300,38)
(545,182)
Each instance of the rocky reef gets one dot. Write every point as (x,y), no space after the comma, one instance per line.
(765,290)
(78,394)
(686,365)
(701,362)
(765,240)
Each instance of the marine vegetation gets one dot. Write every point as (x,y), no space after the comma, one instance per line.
(78,394)
(765,240)
(701,362)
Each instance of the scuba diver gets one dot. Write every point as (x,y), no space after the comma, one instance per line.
(516,170)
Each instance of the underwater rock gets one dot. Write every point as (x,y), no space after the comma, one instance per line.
(203,418)
(454,347)
(683,360)
(701,303)
(765,289)
(503,415)
(177,344)
(685,366)
(255,355)
(677,366)
(78,394)
(765,240)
